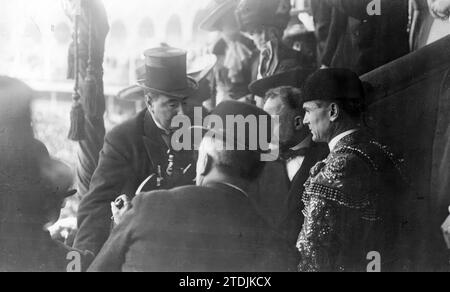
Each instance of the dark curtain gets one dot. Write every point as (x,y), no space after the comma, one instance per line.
(89,148)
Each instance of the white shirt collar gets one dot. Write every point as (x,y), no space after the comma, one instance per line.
(339,137)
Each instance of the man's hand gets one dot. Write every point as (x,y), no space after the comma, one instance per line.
(119,207)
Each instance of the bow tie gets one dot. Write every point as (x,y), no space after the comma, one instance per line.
(291,154)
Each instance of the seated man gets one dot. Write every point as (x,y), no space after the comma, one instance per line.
(211,227)
(353,197)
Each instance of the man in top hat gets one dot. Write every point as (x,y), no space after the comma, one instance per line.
(277,192)
(141,148)
(264,21)
(237,56)
(352,198)
(211,227)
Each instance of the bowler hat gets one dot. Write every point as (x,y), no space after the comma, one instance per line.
(220,9)
(294,78)
(166,73)
(333,84)
(253,14)
(232,109)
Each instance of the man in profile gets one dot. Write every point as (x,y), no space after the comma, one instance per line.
(353,198)
(211,227)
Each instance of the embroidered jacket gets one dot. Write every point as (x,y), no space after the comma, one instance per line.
(349,206)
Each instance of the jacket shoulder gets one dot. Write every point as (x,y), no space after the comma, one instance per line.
(343,178)
(126,130)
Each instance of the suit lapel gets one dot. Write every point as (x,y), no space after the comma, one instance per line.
(315,153)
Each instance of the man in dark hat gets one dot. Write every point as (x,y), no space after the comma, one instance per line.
(211,227)
(276,194)
(352,198)
(264,21)
(237,55)
(141,148)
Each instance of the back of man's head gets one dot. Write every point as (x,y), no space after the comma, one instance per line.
(237,164)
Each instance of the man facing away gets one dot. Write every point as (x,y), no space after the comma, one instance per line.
(353,197)
(211,227)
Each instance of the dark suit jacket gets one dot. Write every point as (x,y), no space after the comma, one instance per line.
(132,151)
(361,42)
(201,229)
(278,200)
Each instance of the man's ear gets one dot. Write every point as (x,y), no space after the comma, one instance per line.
(335,111)
(298,123)
(205,165)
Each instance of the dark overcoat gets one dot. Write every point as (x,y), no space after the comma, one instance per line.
(193,229)
(363,42)
(279,200)
(132,152)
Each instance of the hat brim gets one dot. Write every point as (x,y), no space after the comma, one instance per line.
(190,90)
(197,72)
(210,23)
(294,78)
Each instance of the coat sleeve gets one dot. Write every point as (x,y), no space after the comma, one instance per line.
(112,256)
(113,177)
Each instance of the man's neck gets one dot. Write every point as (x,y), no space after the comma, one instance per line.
(218,177)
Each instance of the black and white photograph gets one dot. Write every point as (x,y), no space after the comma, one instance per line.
(239,139)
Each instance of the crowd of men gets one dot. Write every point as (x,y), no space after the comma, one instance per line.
(332,196)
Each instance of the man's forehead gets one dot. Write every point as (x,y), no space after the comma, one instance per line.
(311,104)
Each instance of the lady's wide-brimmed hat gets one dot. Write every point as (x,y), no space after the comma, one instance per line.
(219,10)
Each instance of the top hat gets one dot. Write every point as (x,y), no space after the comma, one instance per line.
(253,14)
(294,78)
(221,8)
(197,70)
(333,84)
(166,73)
